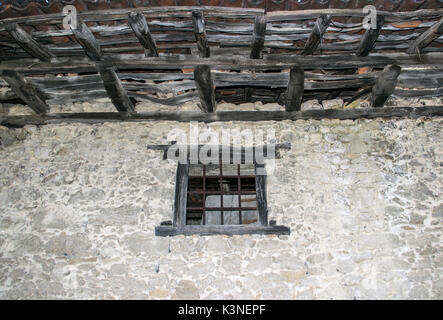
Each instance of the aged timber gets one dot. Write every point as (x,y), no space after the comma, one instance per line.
(101,117)
(385,85)
(139,25)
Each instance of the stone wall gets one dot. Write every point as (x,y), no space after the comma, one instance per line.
(363,199)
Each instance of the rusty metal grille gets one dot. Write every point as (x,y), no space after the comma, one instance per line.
(217,195)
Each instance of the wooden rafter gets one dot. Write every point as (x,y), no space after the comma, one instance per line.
(205,86)
(258,37)
(294,92)
(385,85)
(198,22)
(26,91)
(139,25)
(28,44)
(111,82)
(316,35)
(369,38)
(426,37)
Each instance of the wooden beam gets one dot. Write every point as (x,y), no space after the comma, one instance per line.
(205,86)
(314,39)
(369,38)
(26,91)
(28,44)
(385,85)
(139,25)
(294,92)
(84,36)
(180,116)
(275,62)
(426,38)
(111,82)
(258,37)
(198,22)
(115,90)
(165,230)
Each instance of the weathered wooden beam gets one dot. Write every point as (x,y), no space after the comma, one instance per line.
(28,44)
(294,92)
(205,86)
(198,22)
(314,39)
(84,36)
(369,38)
(111,82)
(258,37)
(26,91)
(164,230)
(426,37)
(385,85)
(114,88)
(180,116)
(276,62)
(139,25)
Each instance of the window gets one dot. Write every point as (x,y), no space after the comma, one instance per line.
(220,199)
(222,195)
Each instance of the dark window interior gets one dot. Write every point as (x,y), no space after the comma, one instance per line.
(221,195)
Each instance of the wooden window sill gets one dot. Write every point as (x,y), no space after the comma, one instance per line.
(164,230)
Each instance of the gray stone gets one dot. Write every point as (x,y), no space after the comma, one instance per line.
(141,243)
(311,105)
(186,290)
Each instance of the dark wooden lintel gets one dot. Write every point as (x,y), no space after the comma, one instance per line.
(188,230)
(26,91)
(316,35)
(205,86)
(198,21)
(258,37)
(28,44)
(294,92)
(139,25)
(101,117)
(385,85)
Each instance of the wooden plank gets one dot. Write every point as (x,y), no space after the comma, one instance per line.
(258,37)
(369,38)
(316,35)
(26,91)
(426,38)
(114,88)
(180,116)
(150,12)
(205,86)
(28,44)
(385,85)
(139,25)
(275,62)
(198,22)
(294,92)
(165,230)
(390,16)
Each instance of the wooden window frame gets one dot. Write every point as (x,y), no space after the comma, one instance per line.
(179,226)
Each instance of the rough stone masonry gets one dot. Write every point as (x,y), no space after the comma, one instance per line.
(79,204)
